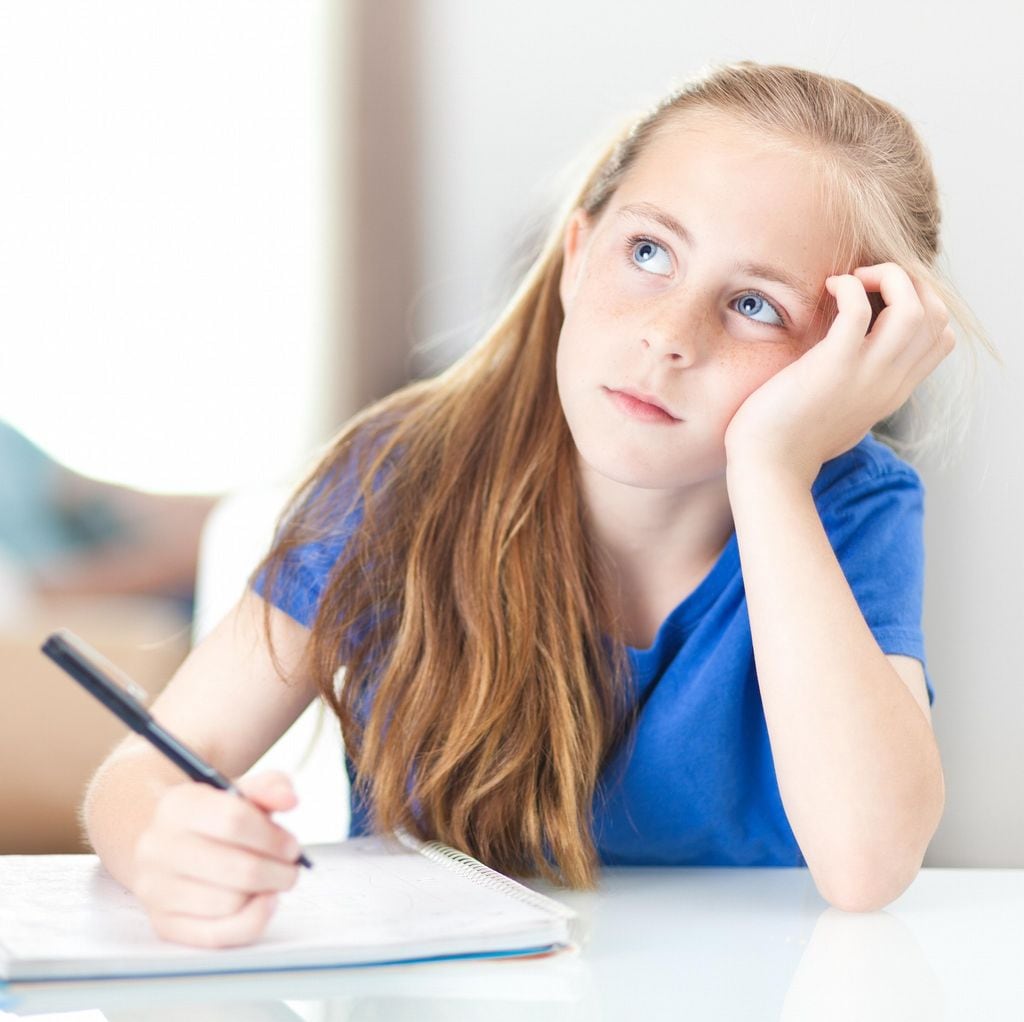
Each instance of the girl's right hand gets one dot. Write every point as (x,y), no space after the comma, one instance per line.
(208,867)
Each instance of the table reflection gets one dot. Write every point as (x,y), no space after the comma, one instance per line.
(663,943)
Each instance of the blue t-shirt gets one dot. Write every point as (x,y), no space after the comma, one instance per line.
(694,783)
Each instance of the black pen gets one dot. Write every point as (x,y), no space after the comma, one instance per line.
(114,689)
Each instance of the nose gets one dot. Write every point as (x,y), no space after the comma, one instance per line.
(670,352)
(674,330)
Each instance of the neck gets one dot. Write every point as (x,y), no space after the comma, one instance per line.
(688,524)
(661,543)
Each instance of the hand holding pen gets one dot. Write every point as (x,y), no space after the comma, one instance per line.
(210,863)
(209,867)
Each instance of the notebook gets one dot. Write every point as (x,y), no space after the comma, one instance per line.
(367,901)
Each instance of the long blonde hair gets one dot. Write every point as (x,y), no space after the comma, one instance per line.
(485,676)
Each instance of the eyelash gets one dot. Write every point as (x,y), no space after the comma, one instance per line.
(635,240)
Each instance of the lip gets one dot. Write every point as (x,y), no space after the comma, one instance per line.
(639,405)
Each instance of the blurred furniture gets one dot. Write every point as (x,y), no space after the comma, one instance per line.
(52,733)
(237,534)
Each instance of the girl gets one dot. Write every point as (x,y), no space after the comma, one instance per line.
(632,582)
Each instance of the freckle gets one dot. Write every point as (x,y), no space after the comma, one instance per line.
(754,360)
(605,306)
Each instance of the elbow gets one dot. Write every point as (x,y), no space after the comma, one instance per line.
(871,878)
(862,897)
(867,887)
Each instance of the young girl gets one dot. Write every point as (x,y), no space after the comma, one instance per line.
(632,582)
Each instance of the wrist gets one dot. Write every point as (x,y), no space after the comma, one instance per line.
(759,467)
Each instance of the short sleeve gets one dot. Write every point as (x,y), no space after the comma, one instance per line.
(875,524)
(305,573)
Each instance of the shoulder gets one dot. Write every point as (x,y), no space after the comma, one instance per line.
(347,472)
(869,468)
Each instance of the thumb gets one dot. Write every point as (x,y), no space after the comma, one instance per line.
(271,790)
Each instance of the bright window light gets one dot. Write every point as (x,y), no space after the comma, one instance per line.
(164,216)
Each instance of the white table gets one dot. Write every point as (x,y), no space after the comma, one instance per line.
(741,944)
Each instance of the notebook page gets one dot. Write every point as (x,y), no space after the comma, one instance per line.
(380,892)
(366,893)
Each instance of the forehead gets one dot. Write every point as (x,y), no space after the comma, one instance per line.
(705,148)
(736,191)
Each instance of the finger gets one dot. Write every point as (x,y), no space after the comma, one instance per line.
(931,332)
(272,790)
(903,306)
(179,895)
(922,358)
(938,314)
(226,818)
(229,931)
(232,867)
(854,315)
(929,361)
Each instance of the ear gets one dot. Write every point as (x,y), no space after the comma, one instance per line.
(574,243)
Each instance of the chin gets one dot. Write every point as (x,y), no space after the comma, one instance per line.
(640,467)
(627,467)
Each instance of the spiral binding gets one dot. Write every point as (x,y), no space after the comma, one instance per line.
(476,871)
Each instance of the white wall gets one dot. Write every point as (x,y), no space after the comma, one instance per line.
(511,89)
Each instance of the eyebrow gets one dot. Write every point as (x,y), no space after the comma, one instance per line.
(648,211)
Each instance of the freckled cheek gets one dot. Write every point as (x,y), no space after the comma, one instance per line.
(602,310)
(595,332)
(747,367)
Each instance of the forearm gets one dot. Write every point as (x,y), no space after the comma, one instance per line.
(120,801)
(856,760)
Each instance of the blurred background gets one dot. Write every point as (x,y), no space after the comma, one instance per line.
(225,225)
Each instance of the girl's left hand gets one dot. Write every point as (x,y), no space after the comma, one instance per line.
(827,400)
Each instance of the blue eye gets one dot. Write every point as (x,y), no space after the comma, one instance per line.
(758,301)
(642,252)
